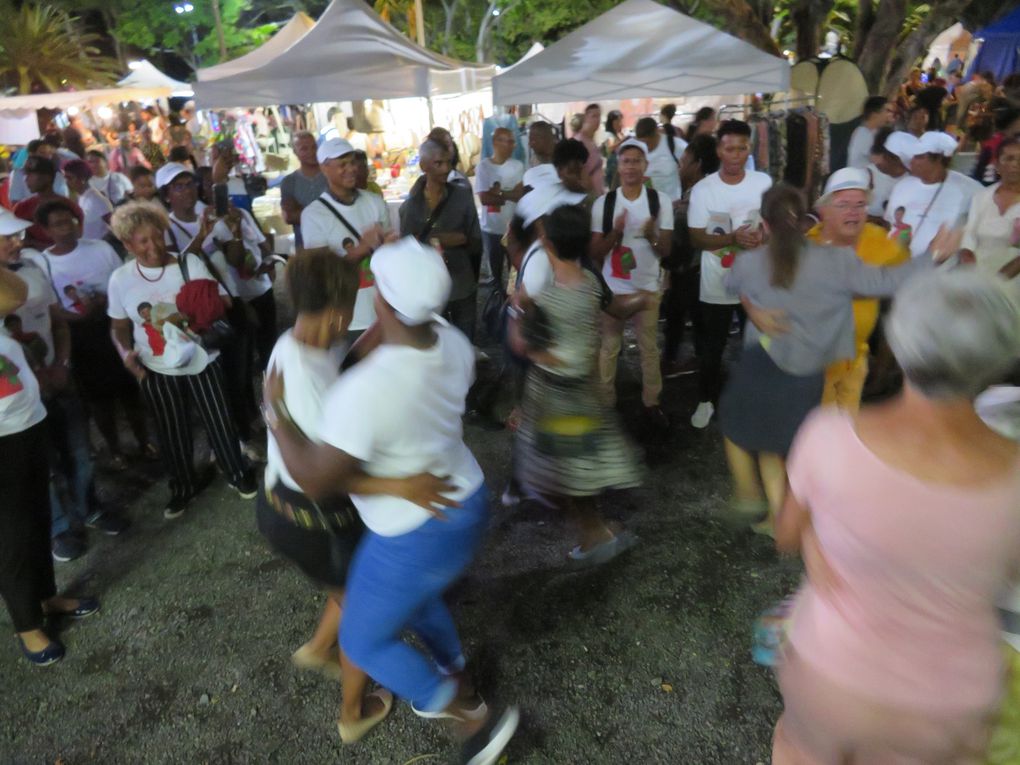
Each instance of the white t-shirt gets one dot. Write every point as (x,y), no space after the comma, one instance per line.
(881,187)
(321,228)
(21,407)
(507,175)
(308,374)
(664,167)
(632,266)
(946,205)
(181,233)
(95,206)
(82,274)
(541,175)
(35,312)
(721,208)
(115,186)
(858,153)
(161,344)
(536,270)
(399,412)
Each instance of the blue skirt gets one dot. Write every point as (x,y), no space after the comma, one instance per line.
(762,407)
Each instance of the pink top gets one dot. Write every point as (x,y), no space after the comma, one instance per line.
(593,167)
(915,623)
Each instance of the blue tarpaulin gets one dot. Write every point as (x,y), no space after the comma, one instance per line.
(1000,51)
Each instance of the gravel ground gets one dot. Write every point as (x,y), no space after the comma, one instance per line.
(643,660)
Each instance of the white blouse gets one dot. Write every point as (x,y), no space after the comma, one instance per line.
(989,232)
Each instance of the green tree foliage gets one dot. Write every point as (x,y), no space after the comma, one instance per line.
(42,50)
(153,25)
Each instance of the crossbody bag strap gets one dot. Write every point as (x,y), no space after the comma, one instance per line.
(924,215)
(430,222)
(339,216)
(182,259)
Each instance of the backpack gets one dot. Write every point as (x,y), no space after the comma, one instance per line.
(654,205)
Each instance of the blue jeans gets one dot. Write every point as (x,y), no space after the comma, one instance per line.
(396,584)
(71,463)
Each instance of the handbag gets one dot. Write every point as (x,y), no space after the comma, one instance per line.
(217,332)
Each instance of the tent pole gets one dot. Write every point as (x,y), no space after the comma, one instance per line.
(419,28)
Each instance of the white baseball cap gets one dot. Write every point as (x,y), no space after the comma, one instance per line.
(846,179)
(937,142)
(166,174)
(333,148)
(541,201)
(413,278)
(632,143)
(11,223)
(903,145)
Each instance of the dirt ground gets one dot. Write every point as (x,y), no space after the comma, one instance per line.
(644,660)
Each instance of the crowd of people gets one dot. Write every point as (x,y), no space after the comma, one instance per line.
(150,294)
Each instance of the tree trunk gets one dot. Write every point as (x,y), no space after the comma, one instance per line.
(449,9)
(809,18)
(219,30)
(118,49)
(865,20)
(881,40)
(740,20)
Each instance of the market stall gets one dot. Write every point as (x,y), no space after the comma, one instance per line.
(1000,47)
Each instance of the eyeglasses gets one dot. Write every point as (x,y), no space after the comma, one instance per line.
(856,207)
(18,236)
(182,186)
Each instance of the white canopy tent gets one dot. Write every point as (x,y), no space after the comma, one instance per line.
(641,48)
(144,75)
(285,37)
(350,54)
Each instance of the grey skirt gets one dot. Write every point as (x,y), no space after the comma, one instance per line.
(762,407)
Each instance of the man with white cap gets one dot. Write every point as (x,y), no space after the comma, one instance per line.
(933,196)
(398,413)
(350,222)
(843,209)
(632,229)
(891,153)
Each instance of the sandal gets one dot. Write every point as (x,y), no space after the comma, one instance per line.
(354,732)
(602,552)
(304,658)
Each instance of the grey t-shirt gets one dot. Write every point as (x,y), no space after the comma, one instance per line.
(302,189)
(818,306)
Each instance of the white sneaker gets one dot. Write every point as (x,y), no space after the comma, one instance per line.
(702,415)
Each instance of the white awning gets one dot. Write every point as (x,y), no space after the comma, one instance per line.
(641,49)
(350,54)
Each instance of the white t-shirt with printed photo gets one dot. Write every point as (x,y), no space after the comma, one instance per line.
(399,412)
(35,311)
(926,207)
(243,285)
(507,175)
(632,266)
(664,166)
(81,275)
(541,175)
(321,228)
(21,406)
(721,208)
(163,344)
(308,374)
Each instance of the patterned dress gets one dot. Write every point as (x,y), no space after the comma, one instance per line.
(569,441)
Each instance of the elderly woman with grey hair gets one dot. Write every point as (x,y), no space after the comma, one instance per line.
(907,519)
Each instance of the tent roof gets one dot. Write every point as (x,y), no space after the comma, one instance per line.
(284,37)
(350,54)
(81,98)
(1008,25)
(641,49)
(144,75)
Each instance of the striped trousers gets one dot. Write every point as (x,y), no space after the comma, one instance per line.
(168,398)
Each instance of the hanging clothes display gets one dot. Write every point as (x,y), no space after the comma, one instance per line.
(793,146)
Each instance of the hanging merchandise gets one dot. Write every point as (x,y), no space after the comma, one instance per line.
(793,146)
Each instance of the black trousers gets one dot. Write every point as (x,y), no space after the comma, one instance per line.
(493,246)
(715,324)
(463,314)
(170,397)
(680,302)
(26,563)
(264,333)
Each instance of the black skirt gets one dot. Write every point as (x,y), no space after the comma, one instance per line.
(322,555)
(762,407)
(95,364)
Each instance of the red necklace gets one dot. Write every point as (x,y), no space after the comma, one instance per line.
(162,271)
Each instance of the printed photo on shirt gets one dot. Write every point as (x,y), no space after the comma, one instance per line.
(10,381)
